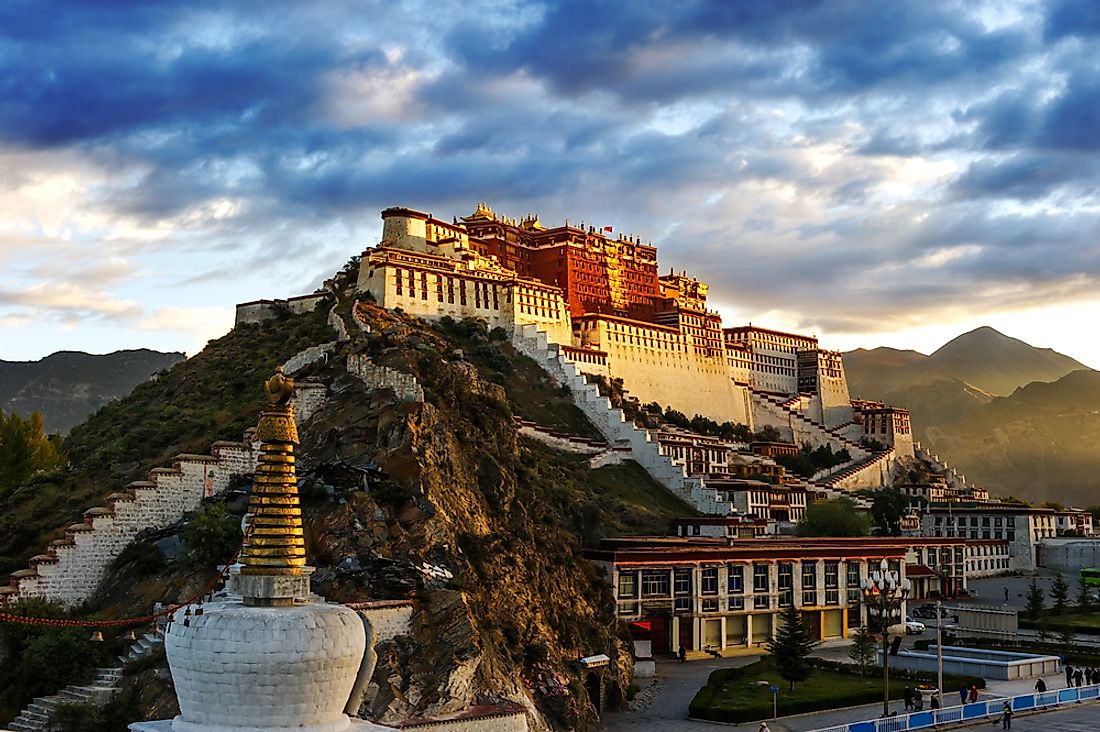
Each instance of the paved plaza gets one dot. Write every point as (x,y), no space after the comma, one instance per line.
(662,704)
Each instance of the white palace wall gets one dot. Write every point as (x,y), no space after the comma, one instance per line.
(432,287)
(658,364)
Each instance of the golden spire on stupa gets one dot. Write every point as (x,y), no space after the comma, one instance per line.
(275,544)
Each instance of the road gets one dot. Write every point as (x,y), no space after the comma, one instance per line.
(1078,718)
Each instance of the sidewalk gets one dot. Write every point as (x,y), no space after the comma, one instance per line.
(662,704)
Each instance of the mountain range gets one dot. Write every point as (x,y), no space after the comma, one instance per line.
(67,386)
(1016,419)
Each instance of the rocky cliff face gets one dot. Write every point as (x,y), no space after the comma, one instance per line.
(476,526)
(439,501)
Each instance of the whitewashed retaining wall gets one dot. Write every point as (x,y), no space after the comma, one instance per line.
(388,618)
(405,386)
(72,569)
(559,440)
(877,472)
(795,426)
(306,356)
(954,478)
(532,342)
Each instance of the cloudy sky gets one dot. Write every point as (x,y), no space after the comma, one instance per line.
(875,173)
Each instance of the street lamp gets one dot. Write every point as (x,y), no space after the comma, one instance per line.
(884,593)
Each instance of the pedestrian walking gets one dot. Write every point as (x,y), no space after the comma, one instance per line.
(962,695)
(764,727)
(1006,716)
(682,653)
(973,693)
(1040,686)
(1006,594)
(907,697)
(1078,677)
(1088,675)
(1069,675)
(935,702)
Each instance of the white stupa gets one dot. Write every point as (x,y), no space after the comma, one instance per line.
(277,658)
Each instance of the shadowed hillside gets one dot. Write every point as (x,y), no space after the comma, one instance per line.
(391,489)
(67,386)
(1040,443)
(982,402)
(984,359)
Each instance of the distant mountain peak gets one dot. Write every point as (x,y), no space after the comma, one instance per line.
(67,386)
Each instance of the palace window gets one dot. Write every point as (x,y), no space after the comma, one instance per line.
(809,583)
(735,579)
(759,578)
(709,580)
(853,574)
(785,583)
(655,583)
(832,583)
(628,584)
(682,584)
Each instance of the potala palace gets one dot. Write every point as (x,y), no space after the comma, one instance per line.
(587,304)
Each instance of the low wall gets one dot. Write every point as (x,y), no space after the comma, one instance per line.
(559,440)
(71,570)
(1070,554)
(405,386)
(1004,665)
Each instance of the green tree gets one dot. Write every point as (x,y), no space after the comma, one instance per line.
(839,517)
(863,648)
(1084,594)
(791,648)
(1034,601)
(212,535)
(25,450)
(1059,595)
(887,508)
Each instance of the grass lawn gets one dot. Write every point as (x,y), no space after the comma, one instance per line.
(1085,621)
(739,697)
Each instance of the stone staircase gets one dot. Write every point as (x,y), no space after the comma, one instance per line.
(872,471)
(619,432)
(37,714)
(145,644)
(783,416)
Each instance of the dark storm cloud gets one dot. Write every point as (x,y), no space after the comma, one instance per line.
(762,144)
(850,47)
(1072,18)
(1028,176)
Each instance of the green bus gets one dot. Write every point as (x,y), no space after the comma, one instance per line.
(1090,577)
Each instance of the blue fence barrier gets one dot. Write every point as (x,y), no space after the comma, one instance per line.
(988,709)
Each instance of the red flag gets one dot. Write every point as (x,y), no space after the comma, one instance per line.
(608,228)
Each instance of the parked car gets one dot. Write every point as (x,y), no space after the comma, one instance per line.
(913,627)
(928,610)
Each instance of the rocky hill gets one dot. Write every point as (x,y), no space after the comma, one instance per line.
(984,359)
(1038,444)
(1012,417)
(390,488)
(67,386)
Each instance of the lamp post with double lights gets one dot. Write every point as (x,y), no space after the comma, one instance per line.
(884,593)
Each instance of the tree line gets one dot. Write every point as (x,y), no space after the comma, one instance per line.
(26,450)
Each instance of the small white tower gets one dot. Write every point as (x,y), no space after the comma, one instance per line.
(279,658)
